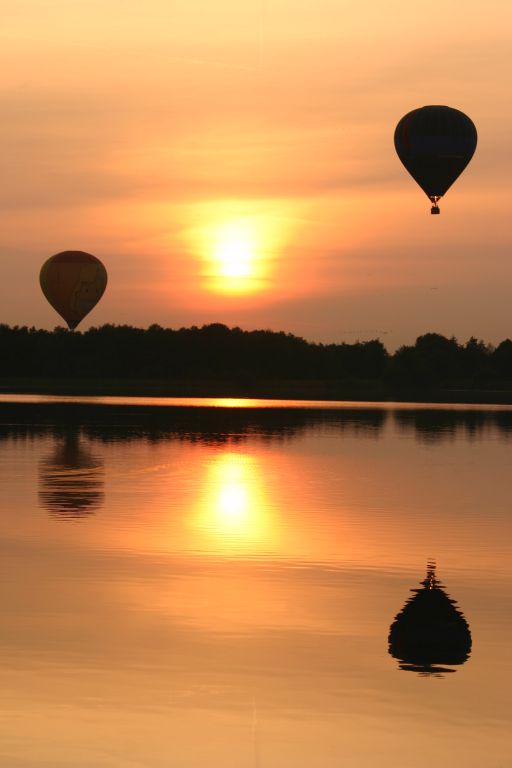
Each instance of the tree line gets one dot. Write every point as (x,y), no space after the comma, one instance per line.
(216,352)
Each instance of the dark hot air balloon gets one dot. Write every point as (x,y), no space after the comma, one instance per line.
(73,282)
(435,144)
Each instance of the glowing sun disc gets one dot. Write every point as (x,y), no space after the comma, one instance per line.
(234,252)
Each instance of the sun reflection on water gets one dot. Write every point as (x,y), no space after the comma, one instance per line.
(233,514)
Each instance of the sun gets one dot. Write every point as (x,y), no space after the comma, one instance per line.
(235,251)
(235,257)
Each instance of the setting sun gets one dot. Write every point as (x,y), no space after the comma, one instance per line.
(235,256)
(235,251)
(238,250)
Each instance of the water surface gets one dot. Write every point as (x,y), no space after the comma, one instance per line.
(188,586)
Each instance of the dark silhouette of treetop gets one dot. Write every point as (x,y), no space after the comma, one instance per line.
(216,352)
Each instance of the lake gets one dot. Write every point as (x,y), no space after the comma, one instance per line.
(196,583)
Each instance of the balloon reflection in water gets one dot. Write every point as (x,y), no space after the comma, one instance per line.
(430,631)
(71,480)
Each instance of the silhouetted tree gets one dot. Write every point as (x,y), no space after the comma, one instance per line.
(502,360)
(217,353)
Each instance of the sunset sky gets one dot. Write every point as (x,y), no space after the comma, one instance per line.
(233,162)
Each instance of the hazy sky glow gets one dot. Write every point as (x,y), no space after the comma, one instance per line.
(233,162)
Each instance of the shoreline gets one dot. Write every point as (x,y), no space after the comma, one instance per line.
(319,390)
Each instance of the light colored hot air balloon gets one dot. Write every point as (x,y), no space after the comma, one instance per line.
(435,144)
(73,282)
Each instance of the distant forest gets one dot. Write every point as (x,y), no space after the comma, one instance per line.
(244,358)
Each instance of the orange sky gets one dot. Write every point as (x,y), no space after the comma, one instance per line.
(234,162)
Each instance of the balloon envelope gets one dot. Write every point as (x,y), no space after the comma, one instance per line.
(435,144)
(73,282)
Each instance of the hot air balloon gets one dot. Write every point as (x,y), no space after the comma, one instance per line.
(73,282)
(435,144)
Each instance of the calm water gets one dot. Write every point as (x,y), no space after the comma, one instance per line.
(195,586)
